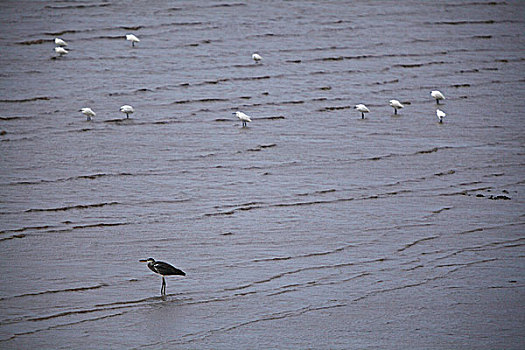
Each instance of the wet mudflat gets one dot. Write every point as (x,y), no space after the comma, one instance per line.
(311,227)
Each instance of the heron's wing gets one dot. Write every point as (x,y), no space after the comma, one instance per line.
(152,268)
(166,269)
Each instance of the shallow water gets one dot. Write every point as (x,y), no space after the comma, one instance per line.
(310,228)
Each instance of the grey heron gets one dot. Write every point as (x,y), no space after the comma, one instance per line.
(163,269)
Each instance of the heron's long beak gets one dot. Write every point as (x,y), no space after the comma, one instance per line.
(143,260)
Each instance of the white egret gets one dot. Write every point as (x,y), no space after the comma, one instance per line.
(127,109)
(256,57)
(363,109)
(132,38)
(88,112)
(440,114)
(60,42)
(437,95)
(396,105)
(61,51)
(243,117)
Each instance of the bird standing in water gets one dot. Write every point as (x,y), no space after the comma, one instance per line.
(243,117)
(132,38)
(256,57)
(88,112)
(61,51)
(440,114)
(60,42)
(363,109)
(163,269)
(437,95)
(396,105)
(127,109)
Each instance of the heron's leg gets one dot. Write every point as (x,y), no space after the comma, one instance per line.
(362,115)
(395,110)
(133,43)
(127,116)
(163,288)
(437,101)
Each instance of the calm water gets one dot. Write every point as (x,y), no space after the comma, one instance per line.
(311,228)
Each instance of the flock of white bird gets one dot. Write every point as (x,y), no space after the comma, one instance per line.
(127,109)
(437,95)
(88,112)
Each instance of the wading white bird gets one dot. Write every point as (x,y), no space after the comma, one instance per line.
(396,105)
(243,117)
(61,51)
(127,109)
(256,57)
(437,95)
(60,42)
(363,109)
(132,38)
(440,114)
(88,112)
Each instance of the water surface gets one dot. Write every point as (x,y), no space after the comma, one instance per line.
(310,228)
